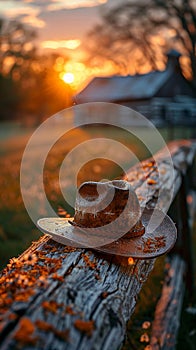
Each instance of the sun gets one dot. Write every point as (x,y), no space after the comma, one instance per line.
(68,78)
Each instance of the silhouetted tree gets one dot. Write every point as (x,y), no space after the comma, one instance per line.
(29,85)
(17,49)
(139,33)
(46,93)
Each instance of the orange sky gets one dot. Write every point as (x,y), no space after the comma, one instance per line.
(61,26)
(56,21)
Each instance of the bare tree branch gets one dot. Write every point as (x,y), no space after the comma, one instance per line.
(150,28)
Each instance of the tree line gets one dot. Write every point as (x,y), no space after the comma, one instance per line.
(29,85)
(136,35)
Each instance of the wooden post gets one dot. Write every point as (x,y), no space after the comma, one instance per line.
(186,235)
(179,267)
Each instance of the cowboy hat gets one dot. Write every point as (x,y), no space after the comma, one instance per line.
(108,218)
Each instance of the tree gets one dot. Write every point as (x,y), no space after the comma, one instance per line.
(29,85)
(137,34)
(17,52)
(16,48)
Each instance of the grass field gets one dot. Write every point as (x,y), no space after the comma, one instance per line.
(17,231)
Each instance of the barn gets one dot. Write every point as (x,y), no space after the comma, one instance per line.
(161,96)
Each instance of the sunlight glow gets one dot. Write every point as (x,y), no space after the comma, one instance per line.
(67,4)
(72,73)
(131,261)
(66,44)
(34,21)
(76,74)
(24,12)
(68,78)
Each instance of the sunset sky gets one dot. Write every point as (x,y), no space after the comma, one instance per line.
(61,25)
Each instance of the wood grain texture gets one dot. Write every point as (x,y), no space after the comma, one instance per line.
(168,310)
(49,291)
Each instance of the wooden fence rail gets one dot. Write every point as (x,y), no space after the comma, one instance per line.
(58,297)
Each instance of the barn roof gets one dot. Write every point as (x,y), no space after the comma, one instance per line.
(132,87)
(122,88)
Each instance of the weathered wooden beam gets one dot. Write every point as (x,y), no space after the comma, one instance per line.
(167,315)
(179,272)
(58,297)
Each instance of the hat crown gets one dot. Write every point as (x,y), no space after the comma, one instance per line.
(100,203)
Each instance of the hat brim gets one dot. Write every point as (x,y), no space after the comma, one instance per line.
(157,239)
